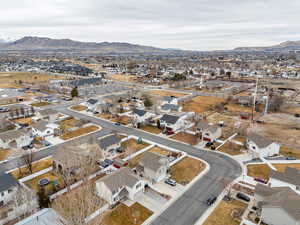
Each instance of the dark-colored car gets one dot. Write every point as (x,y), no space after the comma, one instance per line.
(243,197)
(117,124)
(209,144)
(290,158)
(260,180)
(106,163)
(211,200)
(170,182)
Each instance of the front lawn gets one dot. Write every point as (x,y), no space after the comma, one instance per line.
(40,104)
(4,153)
(79,107)
(151,129)
(290,152)
(121,119)
(79,132)
(231,148)
(186,170)
(160,151)
(133,146)
(222,215)
(122,214)
(186,138)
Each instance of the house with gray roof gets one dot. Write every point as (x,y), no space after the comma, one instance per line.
(141,116)
(289,178)
(278,206)
(42,128)
(49,115)
(120,185)
(153,166)
(8,188)
(260,147)
(109,144)
(169,100)
(172,122)
(209,132)
(167,108)
(15,139)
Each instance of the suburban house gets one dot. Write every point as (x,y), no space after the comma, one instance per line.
(122,184)
(173,123)
(47,216)
(169,100)
(43,128)
(6,125)
(8,188)
(109,144)
(260,147)
(279,206)
(50,115)
(92,104)
(153,166)
(167,108)
(209,132)
(289,178)
(15,139)
(141,116)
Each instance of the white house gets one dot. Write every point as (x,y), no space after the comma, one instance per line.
(172,122)
(141,116)
(50,115)
(209,132)
(92,104)
(153,166)
(279,206)
(120,185)
(15,139)
(289,178)
(169,100)
(167,108)
(8,188)
(260,147)
(43,128)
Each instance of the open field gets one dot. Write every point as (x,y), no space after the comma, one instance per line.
(36,166)
(201,104)
(263,171)
(292,110)
(122,214)
(123,77)
(40,104)
(79,107)
(231,148)
(222,214)
(167,93)
(290,152)
(4,153)
(237,109)
(79,132)
(151,129)
(12,79)
(186,138)
(186,170)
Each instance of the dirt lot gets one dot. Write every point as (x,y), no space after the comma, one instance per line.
(231,148)
(201,104)
(36,166)
(167,93)
(222,214)
(186,170)
(40,104)
(11,79)
(236,109)
(123,78)
(186,138)
(292,110)
(151,129)
(280,119)
(122,214)
(79,107)
(263,171)
(79,132)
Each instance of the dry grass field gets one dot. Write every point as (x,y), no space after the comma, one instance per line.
(186,138)
(4,153)
(167,93)
(40,104)
(123,77)
(201,104)
(79,107)
(231,148)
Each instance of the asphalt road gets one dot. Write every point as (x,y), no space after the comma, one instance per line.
(191,205)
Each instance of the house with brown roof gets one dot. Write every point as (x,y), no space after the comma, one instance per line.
(279,206)
(120,185)
(289,178)
(15,139)
(209,132)
(153,166)
(260,147)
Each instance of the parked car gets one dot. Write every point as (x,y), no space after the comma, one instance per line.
(4,109)
(106,163)
(211,200)
(243,197)
(117,124)
(209,144)
(170,182)
(260,180)
(291,158)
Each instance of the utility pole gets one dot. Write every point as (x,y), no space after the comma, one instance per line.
(254,99)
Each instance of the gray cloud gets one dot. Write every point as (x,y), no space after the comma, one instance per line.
(191,24)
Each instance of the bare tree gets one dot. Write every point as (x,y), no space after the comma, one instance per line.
(28,160)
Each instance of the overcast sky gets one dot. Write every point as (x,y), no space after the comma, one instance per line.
(185,24)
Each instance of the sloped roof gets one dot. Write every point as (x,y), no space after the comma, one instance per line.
(108,141)
(169,118)
(41,125)
(206,126)
(92,101)
(153,161)
(139,112)
(290,175)
(7,181)
(265,191)
(12,134)
(259,140)
(170,107)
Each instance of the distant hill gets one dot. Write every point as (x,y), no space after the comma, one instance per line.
(44,43)
(284,46)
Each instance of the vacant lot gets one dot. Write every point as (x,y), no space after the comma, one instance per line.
(186,138)
(123,77)
(263,171)
(40,104)
(36,166)
(151,129)
(292,152)
(167,93)
(222,214)
(231,148)
(201,104)
(79,132)
(122,214)
(12,79)
(79,107)
(4,153)
(186,170)
(236,109)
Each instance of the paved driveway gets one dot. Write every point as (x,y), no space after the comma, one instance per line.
(169,190)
